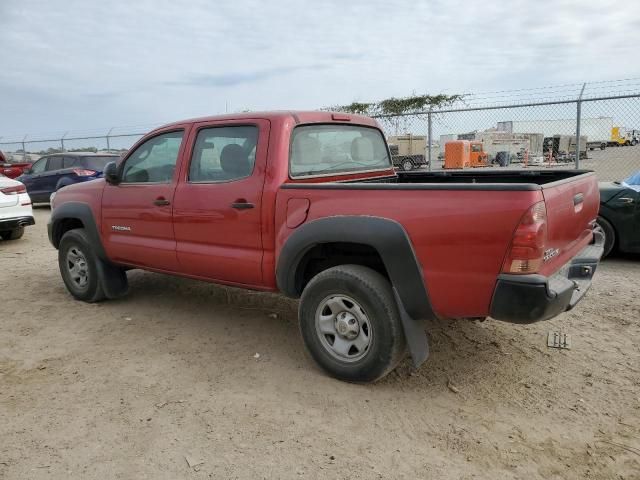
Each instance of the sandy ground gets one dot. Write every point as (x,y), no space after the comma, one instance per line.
(131,388)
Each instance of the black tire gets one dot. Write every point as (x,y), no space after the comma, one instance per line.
(374,294)
(92,290)
(407,165)
(14,234)
(609,235)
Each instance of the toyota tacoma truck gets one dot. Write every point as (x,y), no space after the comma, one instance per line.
(308,204)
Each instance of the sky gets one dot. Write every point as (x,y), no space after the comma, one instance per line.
(77,65)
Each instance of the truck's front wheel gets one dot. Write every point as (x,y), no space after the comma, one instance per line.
(350,323)
(78,266)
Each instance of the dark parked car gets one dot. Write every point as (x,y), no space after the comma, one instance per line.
(619,214)
(52,172)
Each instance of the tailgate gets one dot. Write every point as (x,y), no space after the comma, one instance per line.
(572,206)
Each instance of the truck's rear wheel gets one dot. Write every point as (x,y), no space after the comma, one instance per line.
(350,323)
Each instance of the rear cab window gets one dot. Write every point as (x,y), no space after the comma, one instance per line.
(331,149)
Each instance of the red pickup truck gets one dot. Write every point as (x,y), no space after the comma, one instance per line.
(308,204)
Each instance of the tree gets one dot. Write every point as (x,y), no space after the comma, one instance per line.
(400,106)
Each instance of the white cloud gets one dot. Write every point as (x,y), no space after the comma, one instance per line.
(70,64)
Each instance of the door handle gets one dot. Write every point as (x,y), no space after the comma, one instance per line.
(625,200)
(161,202)
(578,199)
(242,205)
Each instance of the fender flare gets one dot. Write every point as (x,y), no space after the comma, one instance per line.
(388,238)
(392,242)
(114,279)
(75,211)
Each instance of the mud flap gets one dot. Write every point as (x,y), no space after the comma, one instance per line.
(414,333)
(113,279)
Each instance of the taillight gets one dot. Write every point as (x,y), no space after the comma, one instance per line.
(83,173)
(526,252)
(17,190)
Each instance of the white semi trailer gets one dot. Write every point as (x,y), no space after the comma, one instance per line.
(597,130)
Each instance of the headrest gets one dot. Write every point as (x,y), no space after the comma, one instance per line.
(362,149)
(234,161)
(306,150)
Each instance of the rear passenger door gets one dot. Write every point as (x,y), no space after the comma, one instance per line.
(218,202)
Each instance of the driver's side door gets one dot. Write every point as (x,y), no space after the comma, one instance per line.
(137,224)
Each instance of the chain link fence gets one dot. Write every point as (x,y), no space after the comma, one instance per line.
(29,148)
(522,136)
(536,134)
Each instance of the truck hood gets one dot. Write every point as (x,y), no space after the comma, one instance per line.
(84,192)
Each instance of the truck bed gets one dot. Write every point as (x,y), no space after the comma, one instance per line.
(537,177)
(456,180)
(461,222)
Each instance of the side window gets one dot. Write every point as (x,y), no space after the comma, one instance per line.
(154,161)
(39,166)
(69,162)
(221,154)
(55,163)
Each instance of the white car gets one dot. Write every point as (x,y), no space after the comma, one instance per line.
(15,209)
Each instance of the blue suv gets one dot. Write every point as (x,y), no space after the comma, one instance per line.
(52,172)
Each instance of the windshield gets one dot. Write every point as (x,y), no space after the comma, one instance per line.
(327,149)
(97,163)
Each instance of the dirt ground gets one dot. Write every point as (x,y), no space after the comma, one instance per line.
(131,389)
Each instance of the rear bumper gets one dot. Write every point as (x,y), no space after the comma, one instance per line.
(13,223)
(531,298)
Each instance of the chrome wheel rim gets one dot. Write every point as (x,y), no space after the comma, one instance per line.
(77,267)
(343,328)
(407,165)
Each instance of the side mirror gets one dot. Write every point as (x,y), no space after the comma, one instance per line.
(111,173)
